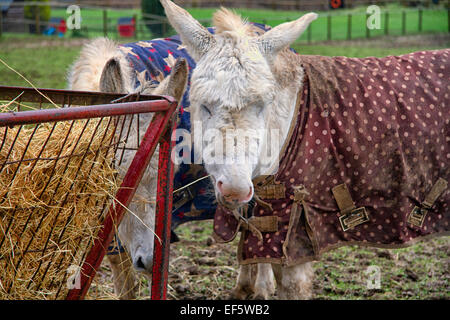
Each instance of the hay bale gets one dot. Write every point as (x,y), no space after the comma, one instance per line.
(55,182)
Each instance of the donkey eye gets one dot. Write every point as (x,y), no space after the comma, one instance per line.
(206,109)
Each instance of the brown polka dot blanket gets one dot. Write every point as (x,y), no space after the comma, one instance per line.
(366,161)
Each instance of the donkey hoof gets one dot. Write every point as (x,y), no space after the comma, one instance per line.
(241,293)
(259,296)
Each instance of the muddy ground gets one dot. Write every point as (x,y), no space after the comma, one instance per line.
(202,269)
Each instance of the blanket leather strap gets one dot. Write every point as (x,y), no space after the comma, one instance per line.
(271,191)
(418,213)
(263,224)
(349,215)
(300,193)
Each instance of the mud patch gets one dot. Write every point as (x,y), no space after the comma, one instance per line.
(200,268)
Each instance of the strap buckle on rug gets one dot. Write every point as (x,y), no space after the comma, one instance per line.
(349,215)
(418,213)
(185,194)
(247,224)
(263,224)
(181,197)
(271,191)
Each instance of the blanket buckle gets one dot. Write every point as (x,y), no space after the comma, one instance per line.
(353,218)
(349,216)
(417,216)
(418,213)
(181,197)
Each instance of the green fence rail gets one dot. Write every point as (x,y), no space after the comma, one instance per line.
(335,25)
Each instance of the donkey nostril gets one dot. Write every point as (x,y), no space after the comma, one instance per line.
(220,186)
(250,193)
(139,263)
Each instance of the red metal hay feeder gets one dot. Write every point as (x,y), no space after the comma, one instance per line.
(118,109)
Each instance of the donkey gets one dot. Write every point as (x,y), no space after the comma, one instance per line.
(244,82)
(102,66)
(241,82)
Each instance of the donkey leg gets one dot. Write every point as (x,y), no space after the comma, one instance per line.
(123,275)
(244,284)
(295,282)
(264,283)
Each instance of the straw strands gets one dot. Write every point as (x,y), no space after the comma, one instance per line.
(55,181)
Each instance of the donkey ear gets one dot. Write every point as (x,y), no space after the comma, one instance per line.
(175,83)
(196,37)
(111,79)
(284,35)
(178,79)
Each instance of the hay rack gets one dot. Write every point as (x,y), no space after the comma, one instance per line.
(101,122)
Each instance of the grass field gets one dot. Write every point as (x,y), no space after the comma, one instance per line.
(46,66)
(202,269)
(434,20)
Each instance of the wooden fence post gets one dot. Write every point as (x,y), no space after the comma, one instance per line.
(309,31)
(448,15)
(420,19)
(349,26)
(135,17)
(105,23)
(164,27)
(1,24)
(367,27)
(403,22)
(329,27)
(38,20)
(386,23)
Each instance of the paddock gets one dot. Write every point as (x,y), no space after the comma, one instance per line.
(199,267)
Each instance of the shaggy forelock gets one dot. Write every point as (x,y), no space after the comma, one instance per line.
(233,74)
(225,20)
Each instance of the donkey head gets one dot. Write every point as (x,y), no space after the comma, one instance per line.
(235,89)
(135,229)
(115,78)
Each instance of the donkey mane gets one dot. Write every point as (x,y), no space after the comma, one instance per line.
(85,72)
(226,20)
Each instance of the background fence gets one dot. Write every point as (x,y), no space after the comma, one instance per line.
(331,25)
(267,4)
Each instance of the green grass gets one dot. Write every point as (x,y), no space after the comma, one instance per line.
(434,20)
(417,272)
(46,67)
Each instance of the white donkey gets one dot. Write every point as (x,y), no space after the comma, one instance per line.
(343,124)
(103,67)
(242,82)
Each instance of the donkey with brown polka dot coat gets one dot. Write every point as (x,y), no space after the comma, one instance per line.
(363,154)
